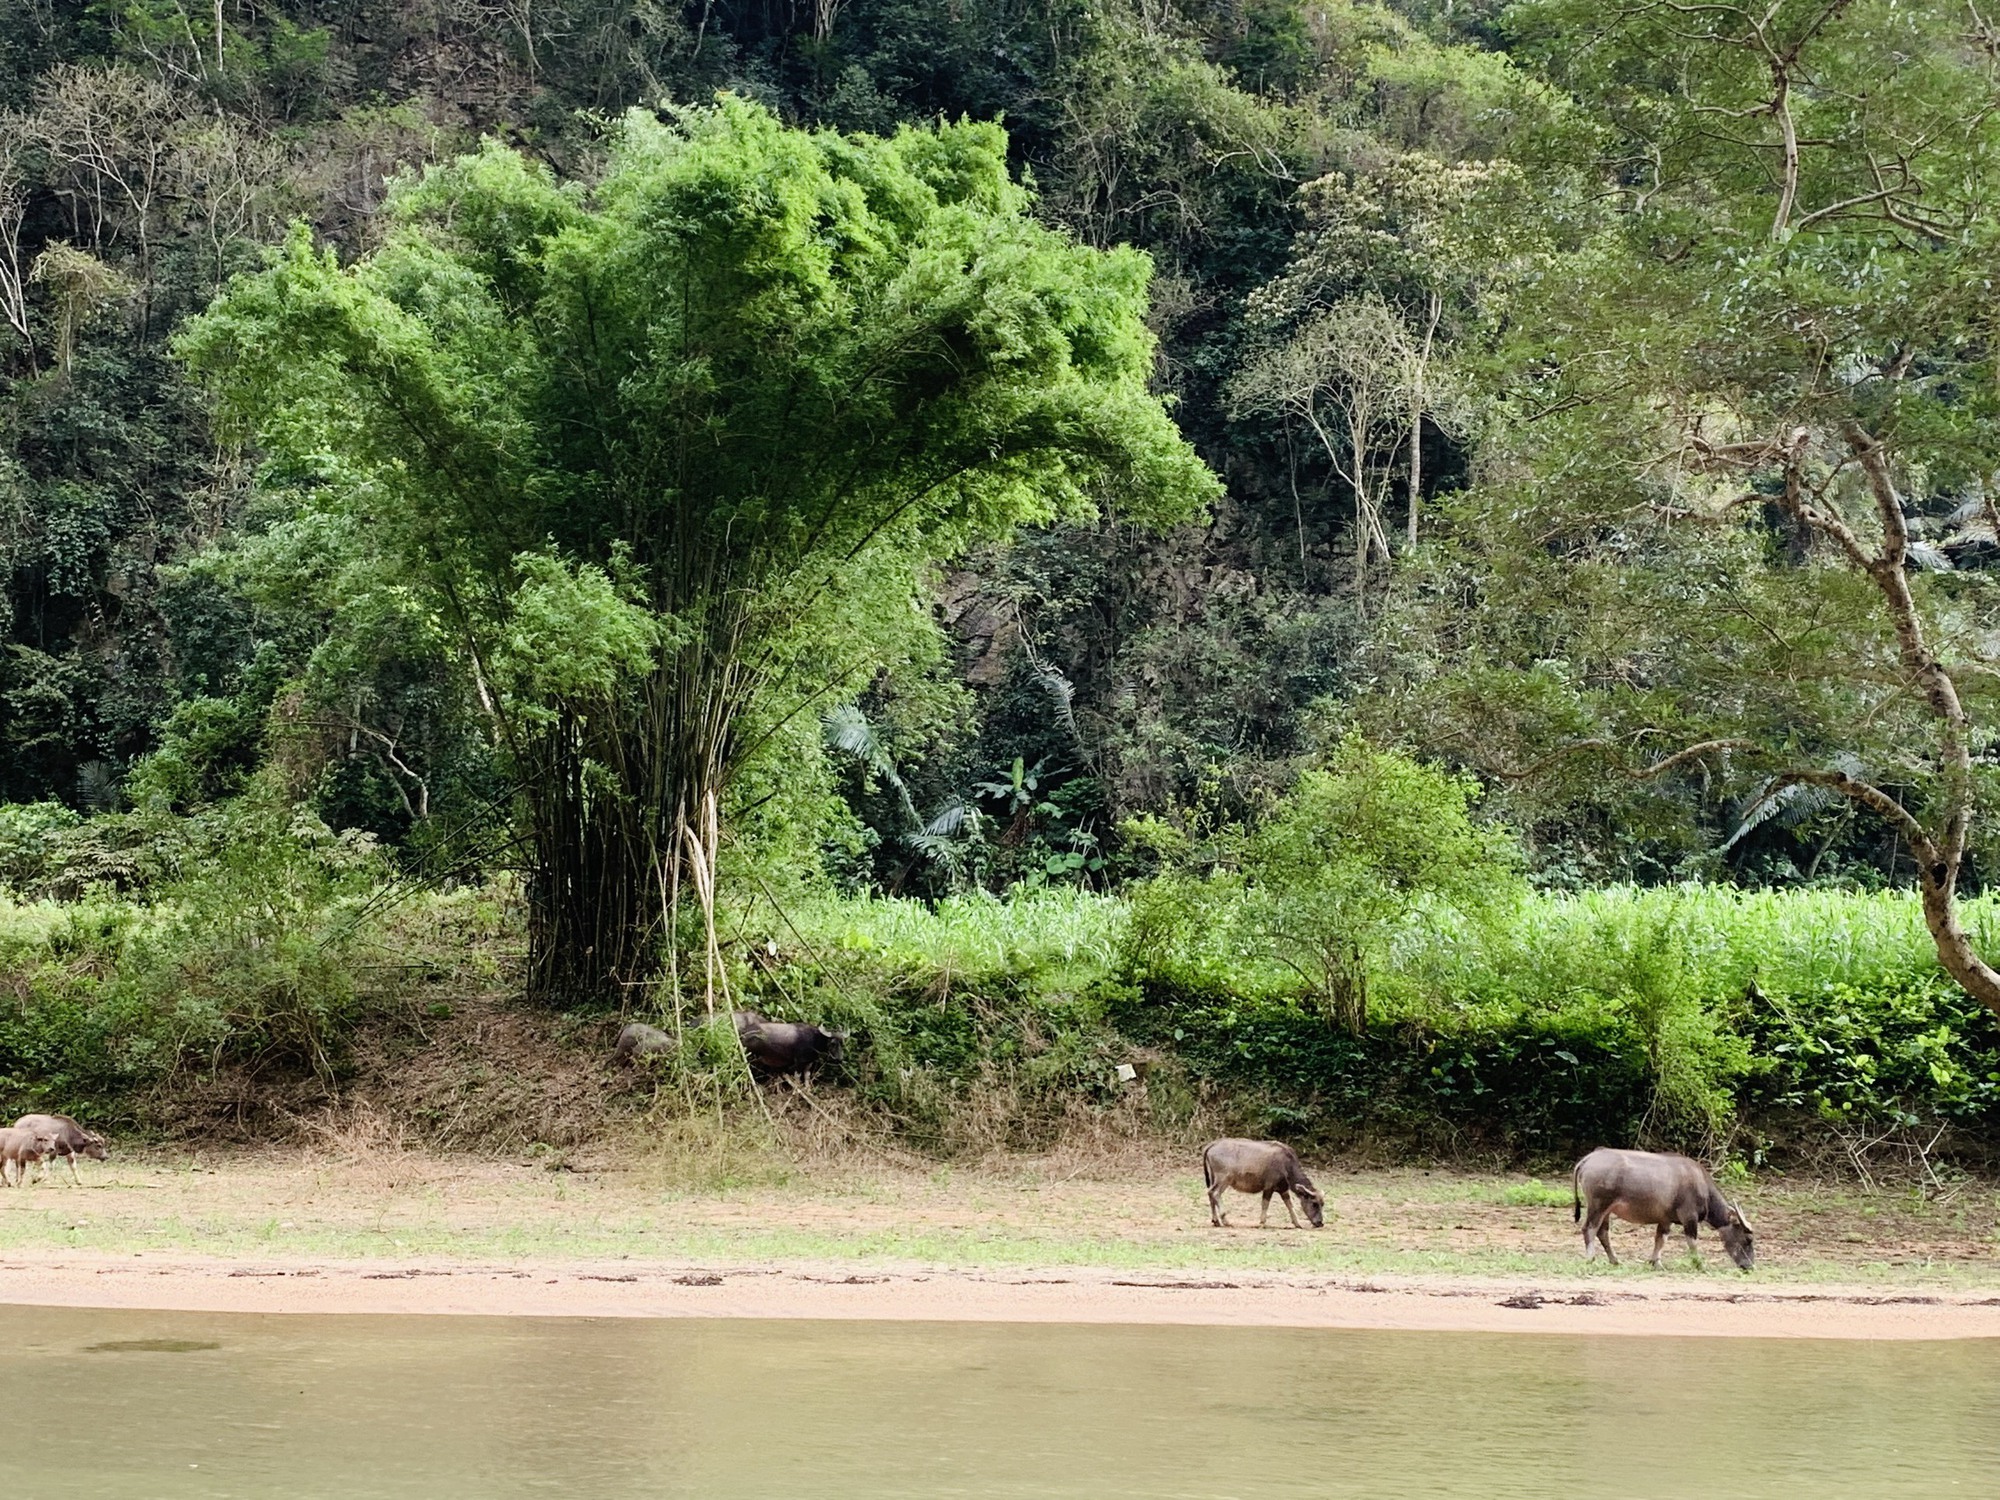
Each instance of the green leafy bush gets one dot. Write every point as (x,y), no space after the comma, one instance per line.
(248,961)
(1357,854)
(29,832)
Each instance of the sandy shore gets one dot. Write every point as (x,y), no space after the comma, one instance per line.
(1066,1295)
(624,1235)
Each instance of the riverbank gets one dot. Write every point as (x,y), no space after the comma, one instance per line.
(658,1231)
(876,1292)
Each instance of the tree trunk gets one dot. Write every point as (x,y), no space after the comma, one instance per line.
(1938,851)
(1422,369)
(1954,946)
(593,919)
(624,812)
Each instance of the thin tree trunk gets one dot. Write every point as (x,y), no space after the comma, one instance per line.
(1417,417)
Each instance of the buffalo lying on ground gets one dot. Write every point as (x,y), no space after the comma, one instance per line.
(1263,1167)
(640,1040)
(67,1140)
(1644,1187)
(775,1048)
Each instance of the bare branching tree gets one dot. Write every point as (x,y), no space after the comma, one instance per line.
(1348,372)
(14,146)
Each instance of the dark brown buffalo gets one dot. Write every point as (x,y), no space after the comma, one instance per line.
(775,1048)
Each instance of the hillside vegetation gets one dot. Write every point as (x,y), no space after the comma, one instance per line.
(1405,574)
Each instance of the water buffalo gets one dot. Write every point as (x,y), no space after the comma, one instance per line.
(20,1149)
(775,1048)
(1259,1167)
(69,1139)
(1644,1187)
(641,1040)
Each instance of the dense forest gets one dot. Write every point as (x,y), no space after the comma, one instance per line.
(1414,524)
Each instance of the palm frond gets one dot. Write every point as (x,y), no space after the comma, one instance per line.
(954,818)
(848,730)
(1062,693)
(1787,803)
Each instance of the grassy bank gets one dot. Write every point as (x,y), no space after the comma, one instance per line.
(1761,1025)
(1702,1017)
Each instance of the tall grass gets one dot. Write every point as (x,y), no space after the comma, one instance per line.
(1041,930)
(1719,942)
(1673,1015)
(1677,1012)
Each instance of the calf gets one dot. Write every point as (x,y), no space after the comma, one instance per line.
(1644,1187)
(1259,1167)
(774,1048)
(69,1139)
(19,1149)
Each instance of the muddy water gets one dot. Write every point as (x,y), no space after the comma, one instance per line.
(164,1406)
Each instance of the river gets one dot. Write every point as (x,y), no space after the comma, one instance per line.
(161,1406)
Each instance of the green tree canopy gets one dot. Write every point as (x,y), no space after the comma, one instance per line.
(1747,427)
(665,452)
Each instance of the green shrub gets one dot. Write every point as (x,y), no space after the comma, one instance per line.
(249,961)
(28,834)
(1351,859)
(1915,1055)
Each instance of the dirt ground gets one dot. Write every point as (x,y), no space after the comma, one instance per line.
(680,1229)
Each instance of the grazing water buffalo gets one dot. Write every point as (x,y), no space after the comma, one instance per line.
(639,1040)
(68,1139)
(775,1048)
(1259,1167)
(1643,1187)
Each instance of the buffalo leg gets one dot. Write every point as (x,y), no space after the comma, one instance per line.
(1285,1193)
(1694,1247)
(1216,1216)
(1603,1229)
(1659,1243)
(1264,1214)
(69,1160)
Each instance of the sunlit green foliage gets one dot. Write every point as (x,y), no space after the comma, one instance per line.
(666,455)
(1340,869)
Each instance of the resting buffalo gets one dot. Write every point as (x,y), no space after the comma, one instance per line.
(1644,1187)
(775,1048)
(640,1040)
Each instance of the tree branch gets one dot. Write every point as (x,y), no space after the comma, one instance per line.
(1867,795)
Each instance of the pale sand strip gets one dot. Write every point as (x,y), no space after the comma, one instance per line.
(1725,1305)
